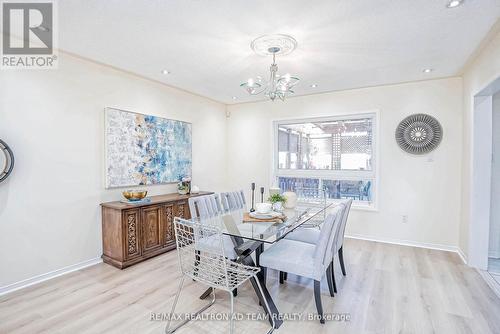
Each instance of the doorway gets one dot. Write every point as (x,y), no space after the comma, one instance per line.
(494,237)
(484,242)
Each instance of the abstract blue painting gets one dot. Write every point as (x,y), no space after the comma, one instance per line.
(144,150)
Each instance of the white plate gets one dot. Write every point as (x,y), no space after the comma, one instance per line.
(270,215)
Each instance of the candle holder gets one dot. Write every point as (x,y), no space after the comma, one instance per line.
(253,197)
(262,194)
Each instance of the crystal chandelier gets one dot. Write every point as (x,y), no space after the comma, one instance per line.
(277,86)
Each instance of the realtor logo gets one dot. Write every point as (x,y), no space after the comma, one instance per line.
(28,35)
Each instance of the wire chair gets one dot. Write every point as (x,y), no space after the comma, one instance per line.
(209,267)
(312,197)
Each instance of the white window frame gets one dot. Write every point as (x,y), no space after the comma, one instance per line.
(372,175)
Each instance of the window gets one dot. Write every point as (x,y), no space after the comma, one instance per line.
(335,154)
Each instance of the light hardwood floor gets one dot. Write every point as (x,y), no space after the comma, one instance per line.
(388,289)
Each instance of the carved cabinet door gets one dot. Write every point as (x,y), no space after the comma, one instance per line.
(182,210)
(131,226)
(152,228)
(169,225)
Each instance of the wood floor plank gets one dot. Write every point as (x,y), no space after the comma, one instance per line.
(388,289)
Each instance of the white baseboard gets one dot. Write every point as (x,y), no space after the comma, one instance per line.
(462,255)
(44,277)
(445,248)
(490,281)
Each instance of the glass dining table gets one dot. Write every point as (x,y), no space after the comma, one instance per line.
(249,236)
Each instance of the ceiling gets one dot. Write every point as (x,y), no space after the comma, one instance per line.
(342,44)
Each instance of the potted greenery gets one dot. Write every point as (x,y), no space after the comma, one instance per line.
(277,201)
(182,188)
(184,185)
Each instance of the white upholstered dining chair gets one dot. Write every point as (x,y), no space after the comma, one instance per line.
(311,236)
(210,267)
(305,259)
(205,206)
(233,200)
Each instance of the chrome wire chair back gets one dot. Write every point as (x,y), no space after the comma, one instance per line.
(210,266)
(208,209)
(312,197)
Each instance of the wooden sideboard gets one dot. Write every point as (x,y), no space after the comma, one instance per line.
(132,233)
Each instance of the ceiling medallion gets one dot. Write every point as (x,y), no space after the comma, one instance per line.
(264,45)
(278,86)
(419,134)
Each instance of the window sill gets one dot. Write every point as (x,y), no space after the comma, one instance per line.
(359,207)
(364,208)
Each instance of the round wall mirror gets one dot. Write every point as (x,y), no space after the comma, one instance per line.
(6,160)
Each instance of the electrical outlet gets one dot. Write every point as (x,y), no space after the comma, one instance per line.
(404,219)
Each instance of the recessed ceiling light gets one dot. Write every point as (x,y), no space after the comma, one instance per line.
(428,70)
(165,72)
(454,3)
(234,97)
(314,86)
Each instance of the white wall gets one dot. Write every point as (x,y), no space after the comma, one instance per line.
(427,191)
(53,120)
(54,123)
(494,244)
(482,71)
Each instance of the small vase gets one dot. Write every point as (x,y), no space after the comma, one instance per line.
(278,206)
(291,199)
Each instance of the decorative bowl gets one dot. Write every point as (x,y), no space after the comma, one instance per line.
(134,195)
(263,208)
